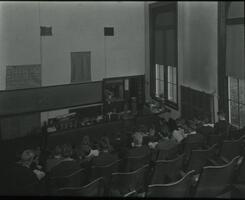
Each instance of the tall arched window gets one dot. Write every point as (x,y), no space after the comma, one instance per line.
(231,66)
(163,52)
(235,66)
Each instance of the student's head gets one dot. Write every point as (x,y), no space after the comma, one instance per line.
(142,128)
(57,151)
(152,130)
(172,125)
(86,150)
(221,115)
(138,139)
(27,157)
(85,140)
(104,144)
(67,151)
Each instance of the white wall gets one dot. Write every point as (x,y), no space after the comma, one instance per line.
(76,26)
(197,48)
(19,36)
(79,26)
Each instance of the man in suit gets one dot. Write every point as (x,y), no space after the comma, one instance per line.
(23,175)
(138,149)
(67,165)
(105,156)
(222,126)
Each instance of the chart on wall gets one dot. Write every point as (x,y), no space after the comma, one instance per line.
(23,76)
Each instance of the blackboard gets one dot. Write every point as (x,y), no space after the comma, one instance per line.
(49,98)
(23,76)
(196,104)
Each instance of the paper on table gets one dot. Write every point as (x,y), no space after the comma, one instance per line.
(212,125)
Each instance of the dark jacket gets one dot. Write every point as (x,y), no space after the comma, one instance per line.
(104,158)
(222,128)
(65,168)
(166,144)
(138,151)
(21,177)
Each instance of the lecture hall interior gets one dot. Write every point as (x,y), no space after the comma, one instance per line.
(122,99)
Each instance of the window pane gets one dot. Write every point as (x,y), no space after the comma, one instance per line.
(234,113)
(161,72)
(233,89)
(170,80)
(157,88)
(174,75)
(170,92)
(157,71)
(242,115)
(242,91)
(174,94)
(161,90)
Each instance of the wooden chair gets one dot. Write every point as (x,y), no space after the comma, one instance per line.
(168,153)
(231,149)
(131,194)
(105,170)
(176,189)
(28,190)
(93,189)
(239,181)
(199,158)
(214,139)
(167,170)
(125,182)
(214,180)
(76,179)
(192,142)
(134,163)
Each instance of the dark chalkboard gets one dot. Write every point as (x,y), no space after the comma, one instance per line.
(49,98)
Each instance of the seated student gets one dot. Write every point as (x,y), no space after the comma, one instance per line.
(105,156)
(67,165)
(164,129)
(137,148)
(55,159)
(36,160)
(22,175)
(175,133)
(81,149)
(222,126)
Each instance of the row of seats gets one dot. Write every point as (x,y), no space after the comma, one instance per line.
(212,182)
(168,167)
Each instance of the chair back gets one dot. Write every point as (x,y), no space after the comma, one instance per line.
(93,189)
(193,142)
(240,177)
(236,134)
(104,171)
(215,179)
(28,190)
(75,179)
(134,163)
(180,188)
(125,182)
(167,170)
(214,139)
(231,148)
(199,158)
(168,153)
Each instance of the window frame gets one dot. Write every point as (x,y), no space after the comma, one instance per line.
(223,79)
(155,8)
